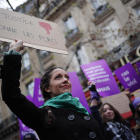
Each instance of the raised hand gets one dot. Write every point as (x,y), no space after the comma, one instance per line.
(17,45)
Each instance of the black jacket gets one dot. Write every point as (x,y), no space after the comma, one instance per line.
(69,124)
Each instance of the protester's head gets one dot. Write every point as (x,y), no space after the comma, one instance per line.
(54,82)
(136,102)
(29,136)
(109,113)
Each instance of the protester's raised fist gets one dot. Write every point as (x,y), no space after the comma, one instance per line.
(17,45)
(90,83)
(127,92)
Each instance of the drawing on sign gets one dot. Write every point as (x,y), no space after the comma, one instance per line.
(46,26)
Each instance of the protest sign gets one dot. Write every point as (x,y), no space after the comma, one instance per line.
(38,100)
(77,90)
(138,66)
(24,129)
(99,73)
(128,77)
(119,101)
(34,32)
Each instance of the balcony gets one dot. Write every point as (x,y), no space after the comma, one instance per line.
(9,126)
(125,1)
(102,13)
(72,36)
(120,51)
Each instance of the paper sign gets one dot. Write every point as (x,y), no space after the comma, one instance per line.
(119,101)
(99,73)
(136,93)
(77,90)
(34,32)
(128,77)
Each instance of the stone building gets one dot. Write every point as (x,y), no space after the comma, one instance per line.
(91,30)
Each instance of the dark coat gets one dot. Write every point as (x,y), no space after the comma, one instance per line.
(69,124)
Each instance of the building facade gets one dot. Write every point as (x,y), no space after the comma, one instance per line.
(91,30)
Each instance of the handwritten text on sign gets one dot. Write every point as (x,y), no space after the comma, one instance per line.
(36,33)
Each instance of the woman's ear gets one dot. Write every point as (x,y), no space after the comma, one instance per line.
(47,89)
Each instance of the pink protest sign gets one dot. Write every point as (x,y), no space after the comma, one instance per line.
(99,73)
(128,77)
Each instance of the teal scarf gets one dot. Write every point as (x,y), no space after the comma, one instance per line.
(66,100)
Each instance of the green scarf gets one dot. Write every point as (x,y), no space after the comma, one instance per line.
(66,100)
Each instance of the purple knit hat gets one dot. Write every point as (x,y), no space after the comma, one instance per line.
(135,102)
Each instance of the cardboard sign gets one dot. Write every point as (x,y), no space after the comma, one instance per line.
(136,93)
(34,32)
(119,101)
(100,73)
(128,77)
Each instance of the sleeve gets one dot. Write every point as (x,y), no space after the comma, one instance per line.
(25,110)
(96,115)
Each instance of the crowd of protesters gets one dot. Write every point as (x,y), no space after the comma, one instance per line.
(62,116)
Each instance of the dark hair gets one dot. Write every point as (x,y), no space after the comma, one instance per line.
(137,113)
(118,117)
(45,82)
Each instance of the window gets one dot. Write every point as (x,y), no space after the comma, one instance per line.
(70,26)
(137,11)
(30,88)
(82,56)
(43,54)
(97,3)
(26,62)
(112,35)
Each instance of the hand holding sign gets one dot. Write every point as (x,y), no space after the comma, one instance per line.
(17,45)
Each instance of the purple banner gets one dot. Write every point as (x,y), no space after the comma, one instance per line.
(99,73)
(38,100)
(128,77)
(77,90)
(24,129)
(138,66)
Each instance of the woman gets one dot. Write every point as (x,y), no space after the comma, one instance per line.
(109,119)
(136,104)
(62,117)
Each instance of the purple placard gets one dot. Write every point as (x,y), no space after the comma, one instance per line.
(138,66)
(128,77)
(77,90)
(24,129)
(38,100)
(100,73)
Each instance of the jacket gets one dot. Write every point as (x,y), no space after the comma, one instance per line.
(69,124)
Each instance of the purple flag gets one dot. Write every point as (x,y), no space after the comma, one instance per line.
(38,100)
(99,73)
(138,66)
(77,90)
(128,77)
(24,129)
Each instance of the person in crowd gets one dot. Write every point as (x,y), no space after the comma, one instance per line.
(135,108)
(61,117)
(29,136)
(109,119)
